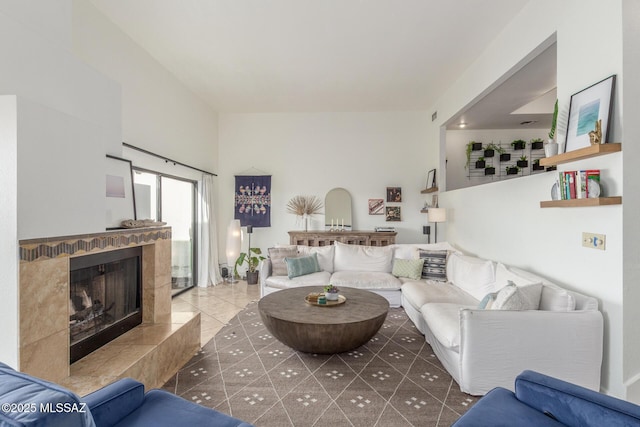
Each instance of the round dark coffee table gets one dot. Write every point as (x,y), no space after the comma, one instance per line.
(323,330)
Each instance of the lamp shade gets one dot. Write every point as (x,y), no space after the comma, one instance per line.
(437,214)
(234,236)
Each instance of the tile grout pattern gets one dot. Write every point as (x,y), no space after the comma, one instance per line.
(393,380)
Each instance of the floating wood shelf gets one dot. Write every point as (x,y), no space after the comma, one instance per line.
(429,190)
(582,153)
(575,203)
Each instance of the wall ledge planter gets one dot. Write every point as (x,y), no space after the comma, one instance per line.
(505,157)
(522,163)
(512,171)
(476,146)
(490,171)
(536,145)
(518,145)
(538,167)
(480,164)
(489,153)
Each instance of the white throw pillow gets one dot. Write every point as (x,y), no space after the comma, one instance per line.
(362,258)
(325,255)
(512,297)
(473,275)
(555,299)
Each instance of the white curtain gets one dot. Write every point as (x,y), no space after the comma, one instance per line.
(209,273)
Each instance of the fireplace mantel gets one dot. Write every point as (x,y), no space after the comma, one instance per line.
(44,310)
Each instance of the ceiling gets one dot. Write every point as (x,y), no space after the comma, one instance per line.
(314,55)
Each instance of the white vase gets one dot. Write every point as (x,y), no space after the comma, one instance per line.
(331,296)
(551,148)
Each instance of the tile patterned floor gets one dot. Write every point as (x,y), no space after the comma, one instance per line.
(393,380)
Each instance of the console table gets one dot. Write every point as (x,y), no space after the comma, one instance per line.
(326,238)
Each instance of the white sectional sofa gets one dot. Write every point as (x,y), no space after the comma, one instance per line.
(527,322)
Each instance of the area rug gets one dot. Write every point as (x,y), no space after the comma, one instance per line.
(394,380)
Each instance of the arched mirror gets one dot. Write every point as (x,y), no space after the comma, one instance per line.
(337,208)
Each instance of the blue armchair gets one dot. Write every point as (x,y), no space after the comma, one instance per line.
(30,401)
(541,401)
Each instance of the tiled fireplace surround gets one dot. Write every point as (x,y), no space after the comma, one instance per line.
(152,352)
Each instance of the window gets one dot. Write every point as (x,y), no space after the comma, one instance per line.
(172,200)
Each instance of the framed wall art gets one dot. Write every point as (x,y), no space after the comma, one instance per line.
(431,179)
(590,114)
(394,194)
(393,213)
(376,206)
(120,203)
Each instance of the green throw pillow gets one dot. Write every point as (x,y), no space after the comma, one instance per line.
(409,268)
(302,265)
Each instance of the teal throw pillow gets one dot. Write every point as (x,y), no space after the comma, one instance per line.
(409,268)
(302,265)
(488,301)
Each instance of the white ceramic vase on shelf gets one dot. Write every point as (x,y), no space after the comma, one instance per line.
(551,148)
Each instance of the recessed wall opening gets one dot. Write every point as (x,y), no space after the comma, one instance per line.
(518,106)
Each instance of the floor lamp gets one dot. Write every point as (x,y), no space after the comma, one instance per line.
(234,241)
(437,215)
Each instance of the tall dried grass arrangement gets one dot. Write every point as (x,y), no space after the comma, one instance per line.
(304,205)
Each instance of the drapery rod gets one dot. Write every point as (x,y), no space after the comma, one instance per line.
(166,159)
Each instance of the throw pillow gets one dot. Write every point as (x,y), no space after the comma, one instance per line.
(512,297)
(435,265)
(301,266)
(488,301)
(409,268)
(475,276)
(277,256)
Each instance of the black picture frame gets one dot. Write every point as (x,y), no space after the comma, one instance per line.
(585,109)
(120,200)
(431,179)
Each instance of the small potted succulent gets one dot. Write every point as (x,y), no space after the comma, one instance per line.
(512,170)
(519,144)
(331,292)
(536,165)
(536,144)
(523,163)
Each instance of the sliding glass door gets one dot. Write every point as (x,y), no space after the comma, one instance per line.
(172,200)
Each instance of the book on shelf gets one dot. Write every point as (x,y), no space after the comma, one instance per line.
(575,184)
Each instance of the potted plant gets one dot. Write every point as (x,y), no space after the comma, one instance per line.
(512,170)
(536,144)
(304,207)
(480,163)
(536,165)
(519,144)
(252,264)
(551,148)
(472,146)
(489,170)
(331,292)
(523,163)
(505,157)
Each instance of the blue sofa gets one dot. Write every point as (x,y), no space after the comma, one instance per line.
(541,401)
(30,401)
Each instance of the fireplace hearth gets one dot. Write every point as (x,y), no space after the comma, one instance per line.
(105,294)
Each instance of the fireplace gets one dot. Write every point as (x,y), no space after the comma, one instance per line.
(105,295)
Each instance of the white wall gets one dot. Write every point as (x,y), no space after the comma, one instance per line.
(158,113)
(631,226)
(9,230)
(503,221)
(457,140)
(309,154)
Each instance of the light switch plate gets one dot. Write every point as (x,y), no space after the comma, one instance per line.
(593,241)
